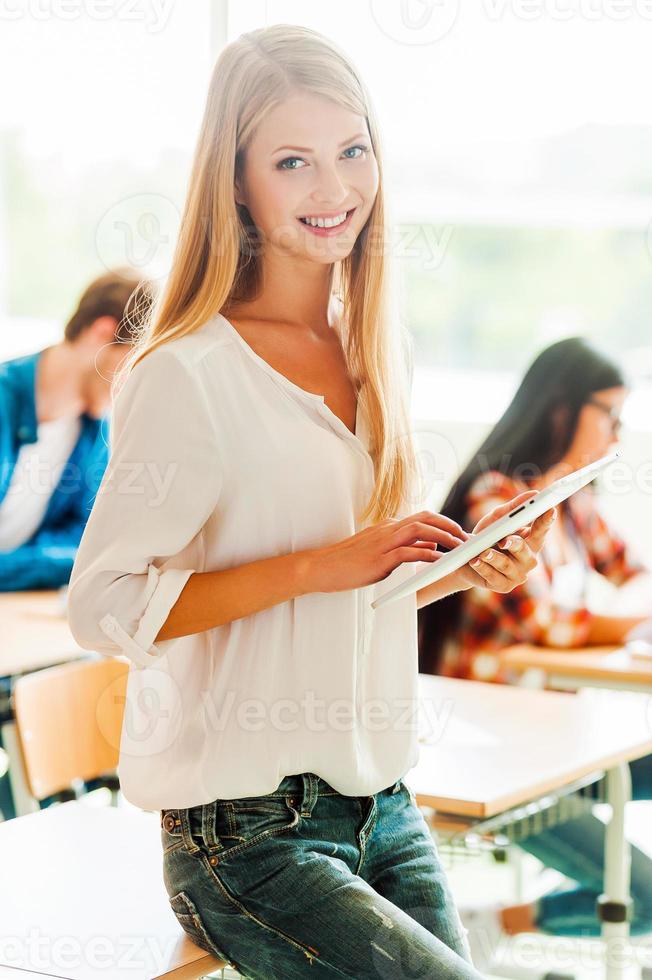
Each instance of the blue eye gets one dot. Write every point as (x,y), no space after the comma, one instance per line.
(281,164)
(359,146)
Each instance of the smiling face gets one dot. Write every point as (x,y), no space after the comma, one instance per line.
(598,424)
(309,158)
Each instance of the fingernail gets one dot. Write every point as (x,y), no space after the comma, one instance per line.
(489,556)
(475,563)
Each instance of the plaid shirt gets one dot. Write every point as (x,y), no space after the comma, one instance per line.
(533,612)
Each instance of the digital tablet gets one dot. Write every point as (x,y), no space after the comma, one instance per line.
(517,519)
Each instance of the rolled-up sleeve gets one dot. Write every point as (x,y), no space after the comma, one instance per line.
(161,485)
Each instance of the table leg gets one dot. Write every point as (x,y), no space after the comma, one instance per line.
(615,903)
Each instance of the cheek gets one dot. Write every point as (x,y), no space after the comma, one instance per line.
(603,429)
(593,432)
(367,184)
(273,200)
(584,435)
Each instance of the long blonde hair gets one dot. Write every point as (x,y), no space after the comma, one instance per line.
(214,262)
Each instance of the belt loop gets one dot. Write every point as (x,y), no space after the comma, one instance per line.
(191,846)
(208,825)
(310,788)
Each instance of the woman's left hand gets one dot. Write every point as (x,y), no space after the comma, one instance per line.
(509,563)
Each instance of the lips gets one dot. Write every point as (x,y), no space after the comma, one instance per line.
(342,215)
(326,231)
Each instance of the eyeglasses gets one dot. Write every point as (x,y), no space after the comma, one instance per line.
(611,411)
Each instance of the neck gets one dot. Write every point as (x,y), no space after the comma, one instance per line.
(294,292)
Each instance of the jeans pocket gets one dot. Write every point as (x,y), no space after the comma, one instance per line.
(243,823)
(192,924)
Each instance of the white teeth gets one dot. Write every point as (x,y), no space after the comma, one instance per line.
(325,222)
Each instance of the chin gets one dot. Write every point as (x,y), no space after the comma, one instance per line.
(325,256)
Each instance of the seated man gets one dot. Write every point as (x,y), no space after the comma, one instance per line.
(54,436)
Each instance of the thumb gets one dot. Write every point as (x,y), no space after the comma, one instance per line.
(537,533)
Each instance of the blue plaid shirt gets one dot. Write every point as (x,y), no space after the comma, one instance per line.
(45,561)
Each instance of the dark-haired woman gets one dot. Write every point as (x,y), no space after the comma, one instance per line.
(565,414)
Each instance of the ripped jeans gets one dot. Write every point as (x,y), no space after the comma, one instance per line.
(306,882)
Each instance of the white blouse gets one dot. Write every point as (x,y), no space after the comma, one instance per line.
(217,459)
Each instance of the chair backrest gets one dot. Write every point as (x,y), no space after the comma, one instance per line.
(69,720)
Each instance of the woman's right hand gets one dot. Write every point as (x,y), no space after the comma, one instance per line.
(372,554)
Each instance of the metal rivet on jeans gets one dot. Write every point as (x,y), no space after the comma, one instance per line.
(169,822)
(212,860)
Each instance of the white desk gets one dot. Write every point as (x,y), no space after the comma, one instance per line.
(83,898)
(492,747)
(35,632)
(612,667)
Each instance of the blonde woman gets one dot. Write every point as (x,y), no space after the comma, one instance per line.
(257,499)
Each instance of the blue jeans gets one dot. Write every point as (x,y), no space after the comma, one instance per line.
(576,848)
(306,882)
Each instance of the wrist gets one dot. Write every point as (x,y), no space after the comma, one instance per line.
(455,582)
(305,565)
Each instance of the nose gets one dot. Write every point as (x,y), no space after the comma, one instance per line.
(330,191)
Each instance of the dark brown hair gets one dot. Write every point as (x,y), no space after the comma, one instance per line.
(120,294)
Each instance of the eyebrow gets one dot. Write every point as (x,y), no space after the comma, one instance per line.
(306,149)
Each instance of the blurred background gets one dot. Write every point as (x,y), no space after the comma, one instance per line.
(518,144)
